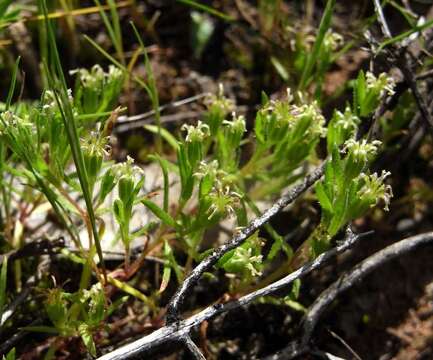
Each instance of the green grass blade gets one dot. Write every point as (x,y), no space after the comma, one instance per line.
(117,63)
(325,24)
(205,8)
(153,93)
(59,88)
(113,29)
(405,34)
(3,283)
(13,84)
(4,4)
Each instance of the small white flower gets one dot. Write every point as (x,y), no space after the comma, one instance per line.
(224,201)
(383,84)
(332,40)
(375,189)
(362,150)
(348,121)
(237,125)
(128,169)
(196,133)
(207,168)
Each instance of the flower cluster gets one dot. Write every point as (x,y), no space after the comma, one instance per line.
(97,78)
(375,189)
(223,201)
(128,170)
(383,84)
(347,120)
(362,150)
(332,41)
(196,134)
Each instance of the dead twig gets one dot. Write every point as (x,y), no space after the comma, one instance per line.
(126,123)
(177,331)
(345,282)
(178,298)
(357,274)
(193,348)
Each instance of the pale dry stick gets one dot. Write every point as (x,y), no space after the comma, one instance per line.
(165,119)
(238,239)
(172,105)
(175,332)
(345,282)
(193,348)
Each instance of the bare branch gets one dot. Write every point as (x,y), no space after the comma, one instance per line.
(346,281)
(177,331)
(238,239)
(357,274)
(381,18)
(193,348)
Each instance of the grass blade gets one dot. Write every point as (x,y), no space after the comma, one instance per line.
(3,282)
(205,8)
(113,28)
(59,88)
(13,84)
(325,23)
(151,89)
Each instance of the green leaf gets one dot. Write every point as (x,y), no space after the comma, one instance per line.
(167,269)
(97,307)
(164,167)
(281,70)
(86,336)
(208,9)
(10,355)
(275,248)
(202,30)
(159,213)
(118,211)
(324,201)
(166,135)
(325,24)
(359,93)
(57,83)
(337,166)
(129,289)
(3,283)
(107,184)
(13,82)
(206,185)
(405,34)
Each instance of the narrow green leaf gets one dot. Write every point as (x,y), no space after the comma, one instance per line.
(164,167)
(3,283)
(13,83)
(151,88)
(208,9)
(158,212)
(167,269)
(325,24)
(11,355)
(60,90)
(129,289)
(86,336)
(324,201)
(405,34)
(166,135)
